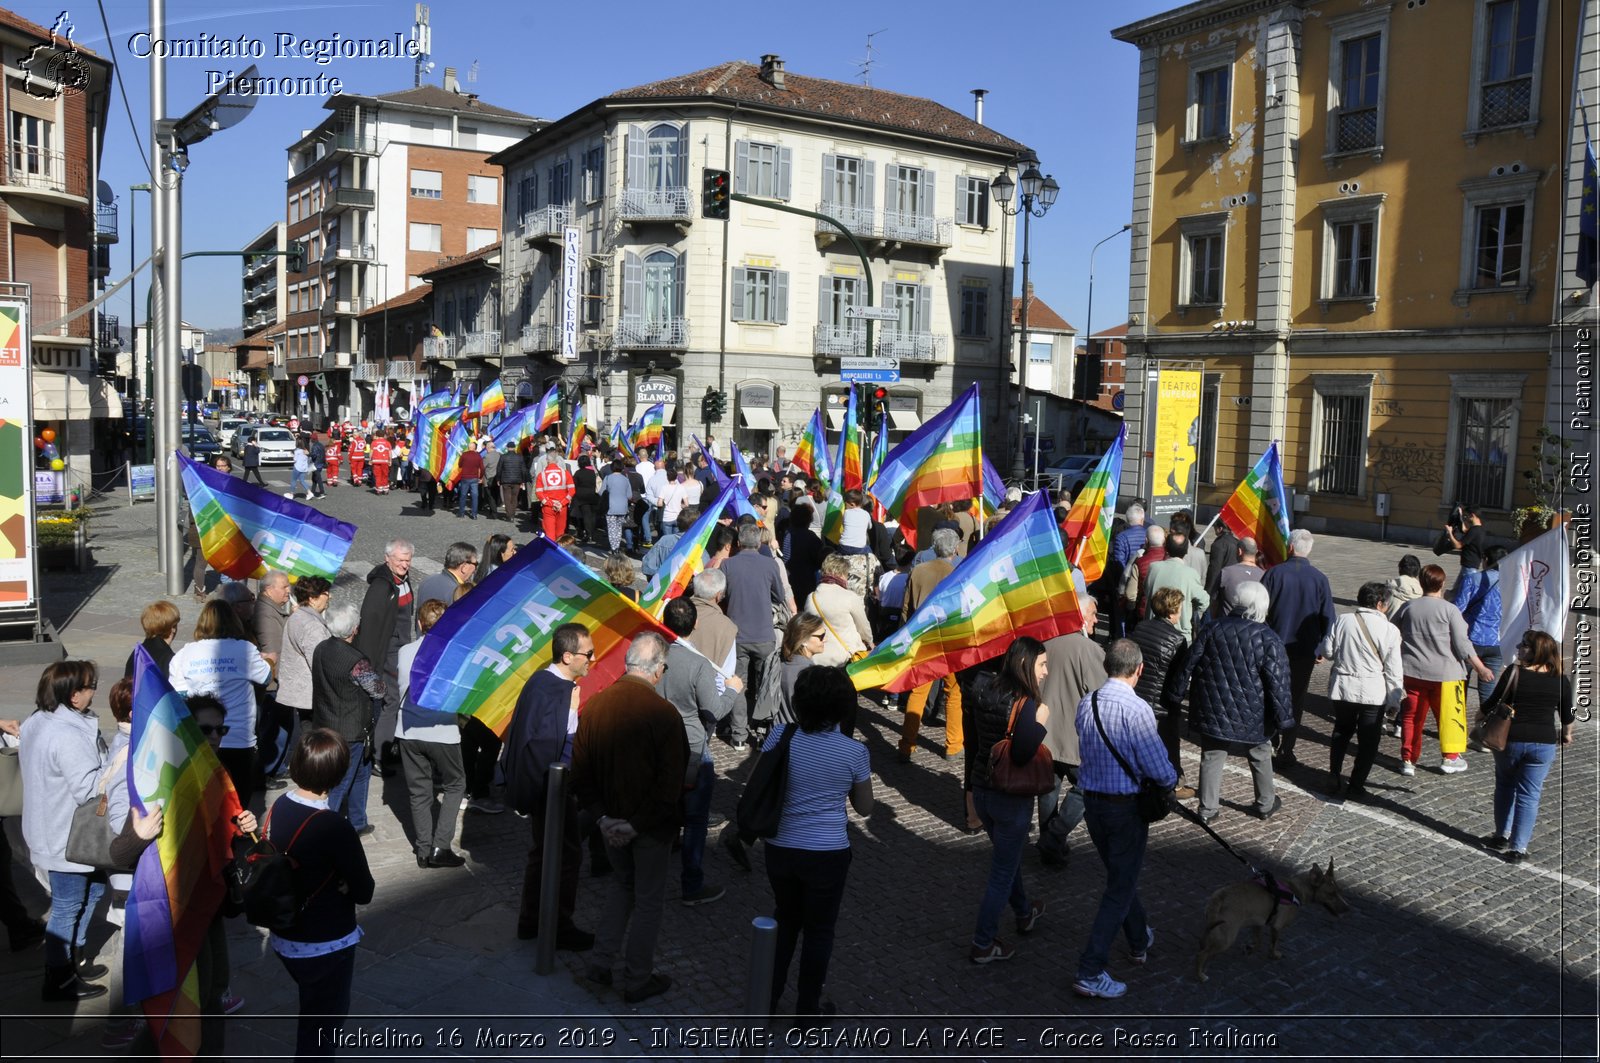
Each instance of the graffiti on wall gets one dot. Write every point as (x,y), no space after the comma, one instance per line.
(1396,464)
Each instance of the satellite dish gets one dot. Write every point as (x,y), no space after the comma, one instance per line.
(103,193)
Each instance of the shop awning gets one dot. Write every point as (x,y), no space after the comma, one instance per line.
(59,397)
(104,400)
(905,420)
(760,418)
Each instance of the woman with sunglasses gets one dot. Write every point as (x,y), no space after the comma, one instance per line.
(803,639)
(1541,696)
(222,661)
(62,759)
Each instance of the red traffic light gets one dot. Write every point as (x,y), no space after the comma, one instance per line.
(880,394)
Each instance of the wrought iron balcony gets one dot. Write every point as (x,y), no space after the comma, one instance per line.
(105,222)
(840,341)
(436,347)
(670,334)
(109,337)
(908,228)
(539,338)
(546,223)
(911,346)
(46,308)
(862,221)
(654,204)
(47,171)
(484,344)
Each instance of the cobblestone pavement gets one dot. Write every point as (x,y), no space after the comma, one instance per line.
(1446,951)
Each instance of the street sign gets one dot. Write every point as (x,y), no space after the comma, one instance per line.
(869,363)
(871,376)
(876,313)
(302,380)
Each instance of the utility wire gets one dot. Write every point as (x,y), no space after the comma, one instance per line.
(122,86)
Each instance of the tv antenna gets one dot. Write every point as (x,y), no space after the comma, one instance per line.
(865,64)
(472,72)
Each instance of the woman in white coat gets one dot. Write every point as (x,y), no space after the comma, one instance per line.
(1367,676)
(842,612)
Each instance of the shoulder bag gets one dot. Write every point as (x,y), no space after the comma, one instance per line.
(90,836)
(10,777)
(1035,777)
(760,806)
(855,656)
(1154,800)
(1493,726)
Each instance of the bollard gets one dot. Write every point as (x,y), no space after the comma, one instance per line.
(763,951)
(555,818)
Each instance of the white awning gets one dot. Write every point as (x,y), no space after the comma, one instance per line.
(836,419)
(59,397)
(760,418)
(905,420)
(105,402)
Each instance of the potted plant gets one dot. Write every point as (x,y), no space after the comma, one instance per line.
(1547,481)
(62,539)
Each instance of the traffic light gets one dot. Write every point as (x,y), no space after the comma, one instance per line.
(714,406)
(714,194)
(295,258)
(880,399)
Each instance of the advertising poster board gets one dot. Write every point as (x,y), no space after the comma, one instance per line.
(18,572)
(1176,442)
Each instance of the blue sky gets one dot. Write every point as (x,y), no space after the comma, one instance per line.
(1057,82)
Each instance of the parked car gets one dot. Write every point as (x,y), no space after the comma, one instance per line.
(241,436)
(209,410)
(227,427)
(1071,473)
(199,442)
(277,445)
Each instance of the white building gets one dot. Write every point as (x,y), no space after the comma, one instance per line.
(673,305)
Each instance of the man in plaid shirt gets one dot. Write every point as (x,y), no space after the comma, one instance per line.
(1112,812)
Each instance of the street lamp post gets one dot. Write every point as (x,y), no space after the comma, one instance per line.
(1038,195)
(141,392)
(1088,317)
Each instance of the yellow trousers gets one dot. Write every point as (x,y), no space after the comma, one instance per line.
(918,700)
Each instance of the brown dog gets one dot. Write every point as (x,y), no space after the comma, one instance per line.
(1252,904)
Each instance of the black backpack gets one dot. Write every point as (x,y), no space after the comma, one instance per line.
(265,883)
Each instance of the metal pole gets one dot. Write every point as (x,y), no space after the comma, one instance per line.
(555,818)
(157,427)
(763,953)
(1088,317)
(1018,469)
(1038,430)
(171,397)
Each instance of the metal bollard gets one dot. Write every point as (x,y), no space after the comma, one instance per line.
(555,818)
(763,952)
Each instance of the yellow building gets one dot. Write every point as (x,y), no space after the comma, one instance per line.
(1361,218)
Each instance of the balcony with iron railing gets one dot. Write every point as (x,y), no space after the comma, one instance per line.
(668,334)
(260,291)
(345,198)
(108,337)
(257,264)
(380,370)
(546,223)
(911,346)
(485,344)
(906,227)
(105,222)
(435,348)
(48,308)
(863,221)
(356,253)
(839,341)
(48,172)
(539,337)
(654,204)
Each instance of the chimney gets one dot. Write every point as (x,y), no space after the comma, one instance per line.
(772,71)
(451,84)
(977,104)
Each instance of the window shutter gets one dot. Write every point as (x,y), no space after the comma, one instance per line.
(780,296)
(740,281)
(825,300)
(679,278)
(926,184)
(741,167)
(830,167)
(683,156)
(785,165)
(888,294)
(869,174)
(961,201)
(533,190)
(924,318)
(983,207)
(638,166)
(632,284)
(552,195)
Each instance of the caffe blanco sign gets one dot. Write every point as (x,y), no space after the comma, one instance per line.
(652,389)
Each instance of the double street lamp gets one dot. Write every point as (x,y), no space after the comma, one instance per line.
(1038,195)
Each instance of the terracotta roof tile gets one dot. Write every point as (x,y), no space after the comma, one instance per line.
(17,22)
(1114,332)
(405,298)
(741,81)
(1039,315)
(461,260)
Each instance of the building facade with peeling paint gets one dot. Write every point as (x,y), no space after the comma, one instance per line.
(1362,218)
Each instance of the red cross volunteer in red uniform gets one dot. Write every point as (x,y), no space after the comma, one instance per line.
(555,490)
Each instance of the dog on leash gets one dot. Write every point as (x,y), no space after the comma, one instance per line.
(1264,902)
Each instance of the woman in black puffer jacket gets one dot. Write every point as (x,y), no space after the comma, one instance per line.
(1165,651)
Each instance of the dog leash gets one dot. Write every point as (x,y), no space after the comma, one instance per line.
(1261,875)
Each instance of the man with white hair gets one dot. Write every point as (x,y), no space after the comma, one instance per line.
(924,578)
(388,622)
(271,614)
(1237,681)
(1138,572)
(754,585)
(715,636)
(346,691)
(1301,612)
(629,758)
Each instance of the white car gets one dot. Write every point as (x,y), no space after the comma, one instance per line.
(226,429)
(1073,472)
(277,445)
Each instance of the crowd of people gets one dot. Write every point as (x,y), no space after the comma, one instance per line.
(309,693)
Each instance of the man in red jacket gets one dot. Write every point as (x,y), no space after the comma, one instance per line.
(555,490)
(467,483)
(382,455)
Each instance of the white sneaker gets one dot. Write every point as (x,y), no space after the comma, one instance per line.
(1453,765)
(288,494)
(1407,768)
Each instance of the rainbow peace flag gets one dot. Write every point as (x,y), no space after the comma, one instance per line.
(1088,523)
(458,440)
(579,426)
(430,448)
(811,453)
(493,399)
(712,463)
(1016,582)
(742,467)
(1259,507)
(246,530)
(475,660)
(687,558)
(619,440)
(648,429)
(849,465)
(880,448)
(994,493)
(438,400)
(549,409)
(177,885)
(509,432)
(940,462)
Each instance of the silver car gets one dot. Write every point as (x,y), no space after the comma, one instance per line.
(277,445)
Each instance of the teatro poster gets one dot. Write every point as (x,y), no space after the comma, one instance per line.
(1175,439)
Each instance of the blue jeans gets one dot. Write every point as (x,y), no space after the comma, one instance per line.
(1519,775)
(1007,818)
(1060,811)
(350,795)
(299,481)
(647,524)
(1119,837)
(464,490)
(324,983)
(1492,660)
(696,816)
(73,897)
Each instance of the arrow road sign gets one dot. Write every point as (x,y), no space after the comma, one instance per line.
(848,364)
(871,376)
(876,313)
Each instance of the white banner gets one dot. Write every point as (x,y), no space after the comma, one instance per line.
(571,263)
(1534,589)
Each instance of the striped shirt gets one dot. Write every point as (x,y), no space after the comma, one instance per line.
(1131,725)
(822,769)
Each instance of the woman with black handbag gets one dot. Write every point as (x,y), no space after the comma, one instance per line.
(1537,699)
(1010,768)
